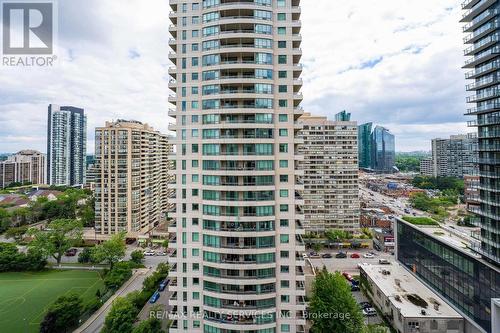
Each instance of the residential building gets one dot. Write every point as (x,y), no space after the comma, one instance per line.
(483,64)
(443,260)
(330,166)
(406,302)
(131,178)
(66,145)
(377,150)
(25,167)
(365,145)
(426,167)
(237,244)
(383,239)
(454,157)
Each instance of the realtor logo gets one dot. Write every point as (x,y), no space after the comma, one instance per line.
(28,28)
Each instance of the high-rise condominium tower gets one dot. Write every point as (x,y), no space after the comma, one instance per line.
(331,189)
(131,177)
(237,262)
(27,166)
(66,145)
(483,64)
(454,157)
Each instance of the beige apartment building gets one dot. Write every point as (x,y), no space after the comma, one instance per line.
(330,166)
(26,167)
(237,263)
(131,177)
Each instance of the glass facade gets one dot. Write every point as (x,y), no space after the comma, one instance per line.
(364,145)
(463,280)
(376,148)
(483,64)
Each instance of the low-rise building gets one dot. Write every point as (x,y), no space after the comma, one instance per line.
(406,302)
(443,258)
(383,239)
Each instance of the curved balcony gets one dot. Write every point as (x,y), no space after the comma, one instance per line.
(238,4)
(237,19)
(476,9)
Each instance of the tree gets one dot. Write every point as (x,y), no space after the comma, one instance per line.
(375,329)
(58,238)
(120,273)
(332,295)
(11,260)
(165,244)
(85,256)
(151,282)
(137,256)
(16,233)
(121,317)
(151,325)
(111,251)
(4,219)
(317,247)
(62,315)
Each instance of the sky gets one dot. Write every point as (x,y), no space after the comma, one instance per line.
(396,63)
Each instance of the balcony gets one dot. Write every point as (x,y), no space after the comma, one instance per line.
(484,109)
(236,3)
(481,19)
(483,70)
(468,4)
(483,83)
(483,96)
(476,9)
(481,32)
(483,44)
(482,57)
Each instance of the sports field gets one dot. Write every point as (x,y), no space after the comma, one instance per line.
(24,297)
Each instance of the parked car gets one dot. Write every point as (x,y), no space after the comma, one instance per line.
(314,255)
(369,312)
(368,256)
(161,253)
(304,255)
(384,262)
(341,255)
(355,287)
(347,276)
(327,256)
(164,284)
(355,255)
(149,253)
(71,252)
(365,305)
(155,297)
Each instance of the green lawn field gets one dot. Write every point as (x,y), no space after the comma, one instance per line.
(25,297)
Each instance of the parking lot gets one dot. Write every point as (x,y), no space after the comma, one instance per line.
(359,297)
(349,265)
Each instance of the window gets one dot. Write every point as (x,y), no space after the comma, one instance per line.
(282,44)
(284,239)
(194,133)
(285,327)
(283,148)
(283,164)
(283,178)
(282,89)
(281,3)
(282,103)
(194,90)
(210,60)
(194,76)
(196,33)
(281,17)
(263,29)
(281,31)
(284,223)
(285,284)
(283,132)
(194,163)
(283,208)
(195,20)
(282,74)
(194,61)
(194,105)
(196,6)
(195,178)
(283,118)
(194,119)
(262,43)
(194,47)
(282,59)
(194,148)
(284,254)
(283,193)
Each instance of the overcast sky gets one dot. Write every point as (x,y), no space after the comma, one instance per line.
(396,63)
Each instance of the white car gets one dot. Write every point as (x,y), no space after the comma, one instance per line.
(149,253)
(369,312)
(368,255)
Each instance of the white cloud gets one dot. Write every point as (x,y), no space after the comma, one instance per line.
(396,63)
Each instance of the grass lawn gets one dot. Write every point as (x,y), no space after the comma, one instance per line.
(421,220)
(25,296)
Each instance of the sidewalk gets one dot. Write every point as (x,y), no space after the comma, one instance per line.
(96,321)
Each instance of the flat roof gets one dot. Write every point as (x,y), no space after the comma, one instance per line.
(400,286)
(455,237)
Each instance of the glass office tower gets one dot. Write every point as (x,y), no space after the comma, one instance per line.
(483,64)
(237,265)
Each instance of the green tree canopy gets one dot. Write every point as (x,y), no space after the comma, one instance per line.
(111,251)
(57,238)
(151,325)
(62,315)
(331,299)
(121,317)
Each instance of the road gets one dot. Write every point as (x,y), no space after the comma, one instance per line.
(95,323)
